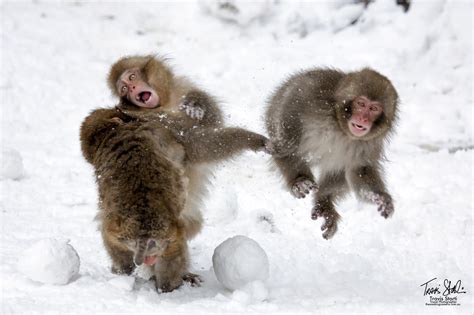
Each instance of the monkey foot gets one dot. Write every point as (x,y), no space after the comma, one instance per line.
(191,109)
(193,279)
(329,226)
(303,186)
(384,203)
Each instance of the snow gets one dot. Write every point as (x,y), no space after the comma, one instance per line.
(49,261)
(239,261)
(54,60)
(11,166)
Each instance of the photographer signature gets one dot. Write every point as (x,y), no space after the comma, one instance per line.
(432,289)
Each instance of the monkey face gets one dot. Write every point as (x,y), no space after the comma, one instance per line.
(147,250)
(146,237)
(364,113)
(132,86)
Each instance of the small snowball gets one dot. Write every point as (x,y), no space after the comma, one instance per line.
(239,261)
(50,261)
(11,164)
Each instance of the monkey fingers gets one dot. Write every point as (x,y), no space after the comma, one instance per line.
(331,217)
(193,279)
(269,147)
(191,109)
(303,186)
(385,204)
(117,120)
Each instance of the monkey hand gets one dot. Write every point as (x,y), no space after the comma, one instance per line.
(191,108)
(117,120)
(193,279)
(384,203)
(303,186)
(269,147)
(169,285)
(331,217)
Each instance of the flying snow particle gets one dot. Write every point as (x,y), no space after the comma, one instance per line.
(50,261)
(238,261)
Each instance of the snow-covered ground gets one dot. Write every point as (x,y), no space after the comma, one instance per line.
(54,59)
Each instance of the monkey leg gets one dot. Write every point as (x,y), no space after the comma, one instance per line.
(216,144)
(297,174)
(332,186)
(122,259)
(369,186)
(171,269)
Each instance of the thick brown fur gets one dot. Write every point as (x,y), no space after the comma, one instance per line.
(307,122)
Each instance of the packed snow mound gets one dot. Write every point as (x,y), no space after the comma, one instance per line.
(50,261)
(239,261)
(11,164)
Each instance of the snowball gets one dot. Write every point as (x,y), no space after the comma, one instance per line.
(255,291)
(50,261)
(238,261)
(11,164)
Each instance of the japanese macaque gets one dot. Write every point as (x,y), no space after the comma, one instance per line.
(140,169)
(149,91)
(142,192)
(338,122)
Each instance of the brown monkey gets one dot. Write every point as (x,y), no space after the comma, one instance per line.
(143,189)
(338,122)
(149,90)
(146,82)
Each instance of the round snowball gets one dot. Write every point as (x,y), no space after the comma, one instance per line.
(50,261)
(11,165)
(238,261)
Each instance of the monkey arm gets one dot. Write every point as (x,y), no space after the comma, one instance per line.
(216,144)
(297,174)
(96,127)
(369,186)
(202,107)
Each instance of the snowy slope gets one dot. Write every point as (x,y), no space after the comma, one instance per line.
(54,60)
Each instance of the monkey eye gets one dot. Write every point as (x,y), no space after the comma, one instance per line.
(361,104)
(374,108)
(124,89)
(132,77)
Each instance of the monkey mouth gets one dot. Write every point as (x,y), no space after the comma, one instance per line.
(359,127)
(144,97)
(147,99)
(150,260)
